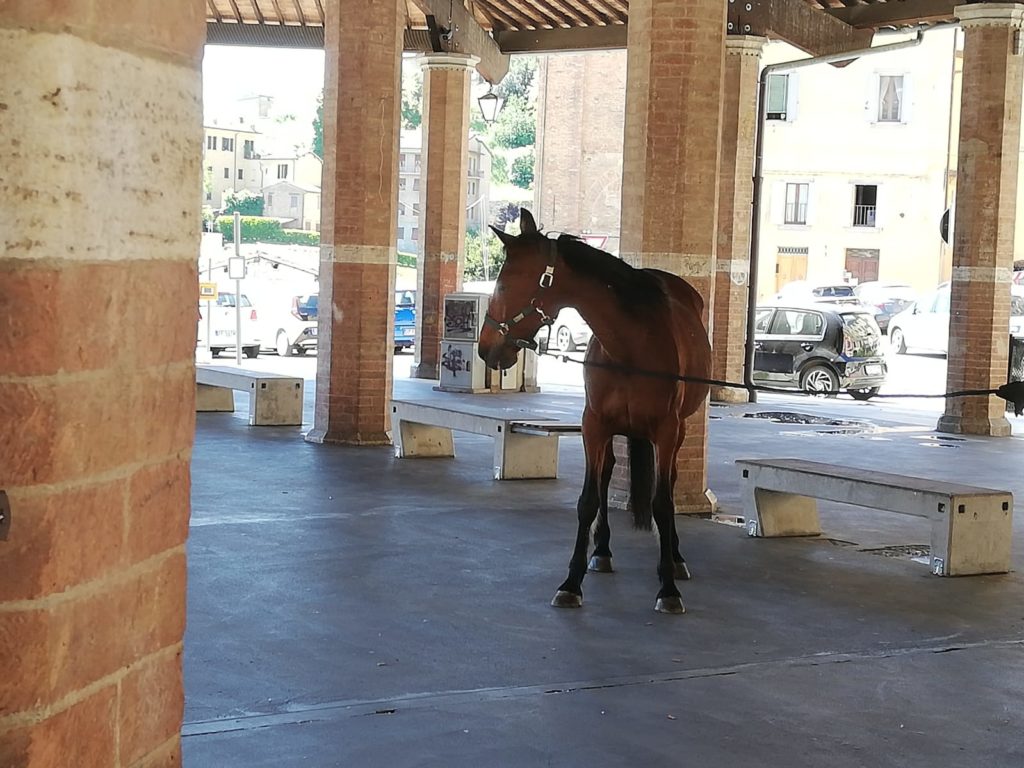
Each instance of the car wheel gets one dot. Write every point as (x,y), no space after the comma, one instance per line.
(819,380)
(563,340)
(284,345)
(301,351)
(215,351)
(251,352)
(863,394)
(398,350)
(897,341)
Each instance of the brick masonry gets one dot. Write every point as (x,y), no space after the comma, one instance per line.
(97,379)
(735,192)
(675,63)
(986,212)
(359,215)
(446,79)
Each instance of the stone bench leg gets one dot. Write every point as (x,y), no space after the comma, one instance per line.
(214,399)
(414,440)
(780,514)
(973,537)
(525,457)
(275,403)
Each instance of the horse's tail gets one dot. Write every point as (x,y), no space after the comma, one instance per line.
(641,482)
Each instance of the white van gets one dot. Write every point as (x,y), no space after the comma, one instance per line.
(222,326)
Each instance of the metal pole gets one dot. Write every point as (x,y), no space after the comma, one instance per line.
(755,201)
(237,233)
(209,309)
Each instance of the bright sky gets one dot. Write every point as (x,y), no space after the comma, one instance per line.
(293,77)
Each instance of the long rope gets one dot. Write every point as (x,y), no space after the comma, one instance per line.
(1012,392)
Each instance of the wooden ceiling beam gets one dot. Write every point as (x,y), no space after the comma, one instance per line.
(895,13)
(468,37)
(809,29)
(595,38)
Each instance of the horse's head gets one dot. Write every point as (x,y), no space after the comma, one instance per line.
(522,300)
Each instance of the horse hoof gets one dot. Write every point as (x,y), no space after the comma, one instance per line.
(600,564)
(681,572)
(563,599)
(669,605)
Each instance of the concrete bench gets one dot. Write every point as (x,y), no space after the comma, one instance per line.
(971,526)
(274,399)
(524,447)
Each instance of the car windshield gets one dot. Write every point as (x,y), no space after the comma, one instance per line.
(862,333)
(405,298)
(833,290)
(228,300)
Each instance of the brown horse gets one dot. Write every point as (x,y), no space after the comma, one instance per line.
(644,321)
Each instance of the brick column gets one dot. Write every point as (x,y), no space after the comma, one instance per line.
(445,154)
(675,60)
(98,291)
(735,192)
(986,210)
(358,253)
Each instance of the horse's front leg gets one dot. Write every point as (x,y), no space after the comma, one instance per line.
(682,572)
(601,560)
(595,445)
(669,599)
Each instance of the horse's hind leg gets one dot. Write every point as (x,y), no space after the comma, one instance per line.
(669,600)
(596,445)
(681,571)
(601,560)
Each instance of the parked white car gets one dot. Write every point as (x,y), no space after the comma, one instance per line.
(924,325)
(289,324)
(222,323)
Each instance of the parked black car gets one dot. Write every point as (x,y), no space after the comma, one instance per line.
(820,349)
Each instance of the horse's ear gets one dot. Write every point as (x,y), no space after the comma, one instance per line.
(505,237)
(527,225)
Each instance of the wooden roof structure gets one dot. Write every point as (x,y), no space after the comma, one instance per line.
(492,29)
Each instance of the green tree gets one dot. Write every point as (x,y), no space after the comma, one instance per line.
(522,171)
(318,127)
(245,202)
(516,125)
(412,97)
(499,169)
(519,80)
(473,268)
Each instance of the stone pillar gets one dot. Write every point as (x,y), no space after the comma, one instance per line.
(98,291)
(735,193)
(446,79)
(675,60)
(986,211)
(358,254)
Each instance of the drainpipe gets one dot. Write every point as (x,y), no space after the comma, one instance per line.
(755,213)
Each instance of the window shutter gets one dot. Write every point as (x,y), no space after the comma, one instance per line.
(792,96)
(778,203)
(872,105)
(908,99)
(810,203)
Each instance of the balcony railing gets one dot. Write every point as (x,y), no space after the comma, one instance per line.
(863,215)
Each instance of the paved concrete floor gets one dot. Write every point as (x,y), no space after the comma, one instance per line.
(349,609)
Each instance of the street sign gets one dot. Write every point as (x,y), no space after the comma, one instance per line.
(236,268)
(207,291)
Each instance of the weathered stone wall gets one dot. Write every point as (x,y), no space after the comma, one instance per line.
(97,339)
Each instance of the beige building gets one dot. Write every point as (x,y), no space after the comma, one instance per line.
(410,184)
(230,163)
(305,170)
(297,205)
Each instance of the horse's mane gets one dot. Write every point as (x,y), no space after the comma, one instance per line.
(634,288)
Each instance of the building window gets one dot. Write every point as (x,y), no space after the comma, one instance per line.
(293,202)
(401,233)
(472,188)
(209,196)
(415,209)
(778,96)
(209,169)
(240,176)
(250,149)
(270,199)
(796,203)
(865,201)
(228,145)
(416,183)
(890,98)
(227,173)
(415,233)
(211,142)
(401,183)
(282,171)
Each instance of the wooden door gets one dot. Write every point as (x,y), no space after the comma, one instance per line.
(790,267)
(862,263)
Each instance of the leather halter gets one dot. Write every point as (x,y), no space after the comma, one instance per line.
(547,277)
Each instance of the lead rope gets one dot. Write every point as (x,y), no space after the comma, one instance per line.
(1012,392)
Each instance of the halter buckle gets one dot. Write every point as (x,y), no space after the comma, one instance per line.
(548,277)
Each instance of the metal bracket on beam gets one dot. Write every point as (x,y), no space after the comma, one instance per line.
(795,22)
